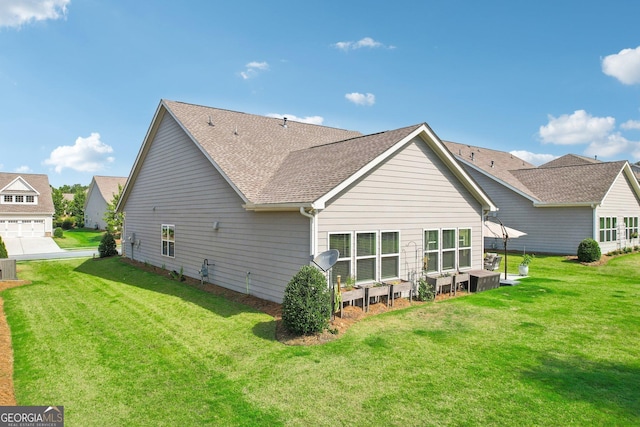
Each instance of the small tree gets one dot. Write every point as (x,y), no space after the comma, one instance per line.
(589,251)
(107,246)
(306,307)
(112,218)
(3,249)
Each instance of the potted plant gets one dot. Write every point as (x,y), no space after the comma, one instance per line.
(523,268)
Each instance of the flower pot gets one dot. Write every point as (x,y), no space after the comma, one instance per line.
(523,270)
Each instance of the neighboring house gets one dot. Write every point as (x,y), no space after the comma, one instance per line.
(559,203)
(259,197)
(99,194)
(26,205)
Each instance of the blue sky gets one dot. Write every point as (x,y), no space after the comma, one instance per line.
(80,80)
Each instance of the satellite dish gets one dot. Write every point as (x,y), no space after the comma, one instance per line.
(326,259)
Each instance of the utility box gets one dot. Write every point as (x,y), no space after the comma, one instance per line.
(8,269)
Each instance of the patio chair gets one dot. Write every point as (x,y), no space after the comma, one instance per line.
(494,264)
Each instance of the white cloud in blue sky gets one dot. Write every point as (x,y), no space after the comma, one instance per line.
(631,124)
(366,42)
(15,13)
(86,155)
(624,66)
(577,128)
(533,158)
(253,68)
(367,99)
(23,169)
(314,120)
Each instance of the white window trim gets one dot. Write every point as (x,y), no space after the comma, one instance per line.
(375,257)
(390,255)
(459,248)
(426,250)
(612,230)
(341,257)
(13,200)
(162,241)
(454,249)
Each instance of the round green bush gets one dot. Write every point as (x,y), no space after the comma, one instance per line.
(67,224)
(57,232)
(588,251)
(306,306)
(107,246)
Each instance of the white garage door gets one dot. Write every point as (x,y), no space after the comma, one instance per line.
(22,228)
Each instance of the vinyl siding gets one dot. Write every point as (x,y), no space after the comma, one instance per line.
(620,202)
(410,192)
(95,210)
(178,185)
(549,230)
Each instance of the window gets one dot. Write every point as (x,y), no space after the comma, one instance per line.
(464,248)
(631,227)
(8,199)
(366,257)
(342,268)
(168,240)
(19,199)
(448,249)
(389,255)
(432,250)
(30,199)
(608,229)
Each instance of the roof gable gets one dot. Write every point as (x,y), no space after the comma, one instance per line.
(28,184)
(569,160)
(18,185)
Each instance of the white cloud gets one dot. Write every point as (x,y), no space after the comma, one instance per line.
(23,169)
(533,158)
(253,68)
(361,99)
(612,146)
(577,128)
(14,13)
(630,124)
(624,66)
(86,155)
(367,42)
(313,120)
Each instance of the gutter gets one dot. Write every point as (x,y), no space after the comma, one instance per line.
(313,231)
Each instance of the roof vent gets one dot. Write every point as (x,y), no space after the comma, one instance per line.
(235,132)
(595,157)
(473,155)
(491,163)
(284,122)
(210,122)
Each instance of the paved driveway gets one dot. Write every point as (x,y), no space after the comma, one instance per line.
(30,245)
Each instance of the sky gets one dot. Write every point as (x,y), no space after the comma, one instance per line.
(80,80)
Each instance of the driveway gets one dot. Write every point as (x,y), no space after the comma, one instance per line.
(25,248)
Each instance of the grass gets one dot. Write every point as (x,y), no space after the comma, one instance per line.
(80,238)
(118,346)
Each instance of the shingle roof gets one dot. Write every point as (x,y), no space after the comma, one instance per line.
(570,160)
(251,149)
(499,164)
(310,173)
(40,183)
(586,183)
(108,185)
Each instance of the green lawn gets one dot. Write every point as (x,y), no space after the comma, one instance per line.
(118,346)
(80,238)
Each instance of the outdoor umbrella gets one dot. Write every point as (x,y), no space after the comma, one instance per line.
(503,232)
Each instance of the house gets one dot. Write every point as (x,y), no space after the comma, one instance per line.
(99,195)
(259,197)
(557,204)
(26,205)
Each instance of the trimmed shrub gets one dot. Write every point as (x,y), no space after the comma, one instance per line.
(426,291)
(67,224)
(589,251)
(107,246)
(3,249)
(58,232)
(306,307)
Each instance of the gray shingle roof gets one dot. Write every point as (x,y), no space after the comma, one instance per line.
(307,174)
(108,185)
(586,183)
(40,183)
(570,160)
(251,149)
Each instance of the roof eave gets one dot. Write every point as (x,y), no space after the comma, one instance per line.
(279,207)
(592,205)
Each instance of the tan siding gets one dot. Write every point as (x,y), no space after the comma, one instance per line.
(410,192)
(178,185)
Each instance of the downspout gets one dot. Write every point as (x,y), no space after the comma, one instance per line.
(313,228)
(595,223)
